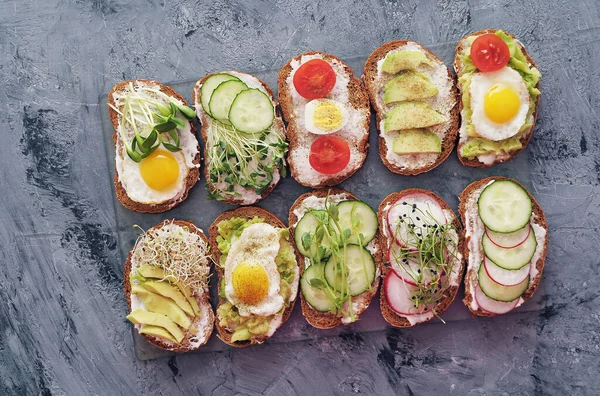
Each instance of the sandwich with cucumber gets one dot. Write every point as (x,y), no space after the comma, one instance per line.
(506,239)
(244,135)
(338,237)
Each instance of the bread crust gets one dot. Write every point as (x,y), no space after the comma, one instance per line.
(358,98)
(157,342)
(450,293)
(193,173)
(541,220)
(328,320)
(526,137)
(247,212)
(370,78)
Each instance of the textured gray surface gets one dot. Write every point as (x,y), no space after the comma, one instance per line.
(62,327)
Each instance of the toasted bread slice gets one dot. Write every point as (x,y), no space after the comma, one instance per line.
(213,231)
(446,102)
(327,320)
(525,137)
(193,167)
(349,91)
(468,211)
(204,324)
(244,195)
(449,294)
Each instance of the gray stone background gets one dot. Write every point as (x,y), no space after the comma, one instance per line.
(62,326)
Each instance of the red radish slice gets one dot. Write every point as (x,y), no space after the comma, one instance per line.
(398,294)
(511,240)
(493,306)
(503,276)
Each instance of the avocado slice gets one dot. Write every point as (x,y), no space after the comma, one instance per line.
(156,331)
(140,316)
(152,271)
(404,60)
(411,115)
(417,141)
(242,334)
(409,86)
(170,291)
(162,305)
(187,292)
(481,146)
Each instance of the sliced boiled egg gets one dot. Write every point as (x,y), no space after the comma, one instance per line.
(324,116)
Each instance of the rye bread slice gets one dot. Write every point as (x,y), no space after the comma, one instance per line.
(248,212)
(471,275)
(203,300)
(193,173)
(206,122)
(371,78)
(449,294)
(526,137)
(301,139)
(327,320)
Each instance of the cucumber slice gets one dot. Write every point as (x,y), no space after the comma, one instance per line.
(252,111)
(361,270)
(315,296)
(498,292)
(367,219)
(308,223)
(223,97)
(209,86)
(513,258)
(504,206)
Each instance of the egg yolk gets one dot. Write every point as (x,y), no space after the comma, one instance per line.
(250,282)
(327,116)
(159,170)
(501,104)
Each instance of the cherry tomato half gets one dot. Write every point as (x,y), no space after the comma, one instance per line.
(314,79)
(489,53)
(329,154)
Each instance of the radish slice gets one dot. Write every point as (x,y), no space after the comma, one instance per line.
(493,306)
(398,294)
(503,276)
(511,240)
(408,268)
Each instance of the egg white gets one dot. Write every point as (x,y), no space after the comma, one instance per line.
(309,116)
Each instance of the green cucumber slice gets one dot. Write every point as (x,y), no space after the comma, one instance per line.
(308,223)
(504,206)
(510,258)
(313,295)
(367,219)
(361,270)
(208,87)
(252,111)
(498,292)
(223,97)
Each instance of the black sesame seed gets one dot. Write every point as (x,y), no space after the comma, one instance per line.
(419,271)
(414,206)
(403,203)
(418,218)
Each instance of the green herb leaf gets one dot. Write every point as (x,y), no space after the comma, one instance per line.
(347,234)
(149,141)
(318,283)
(306,241)
(175,136)
(149,151)
(178,121)
(187,112)
(334,212)
(163,109)
(171,148)
(173,108)
(165,126)
(133,155)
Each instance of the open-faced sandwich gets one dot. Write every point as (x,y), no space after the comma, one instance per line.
(157,157)
(328,115)
(499,85)
(257,265)
(424,264)
(166,286)
(245,139)
(337,235)
(506,239)
(416,101)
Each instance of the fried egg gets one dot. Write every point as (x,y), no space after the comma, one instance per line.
(500,102)
(252,280)
(325,116)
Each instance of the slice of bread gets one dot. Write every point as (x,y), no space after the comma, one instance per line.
(202,297)
(468,202)
(446,101)
(327,320)
(246,213)
(386,240)
(246,196)
(351,92)
(193,172)
(462,45)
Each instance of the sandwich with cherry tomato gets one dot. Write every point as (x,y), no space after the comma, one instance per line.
(328,115)
(499,87)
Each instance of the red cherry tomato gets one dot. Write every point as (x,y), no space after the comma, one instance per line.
(314,79)
(329,154)
(489,53)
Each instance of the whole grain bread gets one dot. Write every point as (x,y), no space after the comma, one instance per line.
(248,212)
(203,300)
(206,122)
(471,275)
(449,294)
(526,137)
(300,138)
(193,173)
(370,76)
(327,320)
